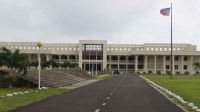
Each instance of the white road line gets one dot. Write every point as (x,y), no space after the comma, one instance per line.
(108,98)
(104,104)
(97,110)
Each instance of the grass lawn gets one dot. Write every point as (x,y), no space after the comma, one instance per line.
(187,87)
(4,91)
(10,103)
(103,76)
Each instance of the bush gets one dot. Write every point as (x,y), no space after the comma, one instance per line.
(197,73)
(150,72)
(159,72)
(144,73)
(168,72)
(187,73)
(138,73)
(178,73)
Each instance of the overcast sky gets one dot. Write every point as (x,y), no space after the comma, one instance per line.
(117,21)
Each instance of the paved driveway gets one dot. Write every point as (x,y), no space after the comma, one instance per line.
(118,94)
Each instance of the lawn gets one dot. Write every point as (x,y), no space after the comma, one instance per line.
(10,103)
(187,87)
(103,76)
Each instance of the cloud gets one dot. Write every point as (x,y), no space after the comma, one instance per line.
(127,21)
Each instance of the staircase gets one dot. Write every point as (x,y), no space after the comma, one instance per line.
(56,78)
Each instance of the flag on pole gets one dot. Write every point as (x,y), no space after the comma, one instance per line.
(165,11)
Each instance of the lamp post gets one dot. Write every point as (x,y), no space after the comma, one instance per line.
(96,62)
(39,45)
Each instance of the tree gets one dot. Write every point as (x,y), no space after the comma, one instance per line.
(196,66)
(65,64)
(15,62)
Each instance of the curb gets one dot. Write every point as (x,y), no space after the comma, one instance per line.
(168,93)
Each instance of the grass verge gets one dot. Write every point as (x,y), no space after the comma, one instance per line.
(103,76)
(187,87)
(10,103)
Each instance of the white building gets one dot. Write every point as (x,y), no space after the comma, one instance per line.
(89,54)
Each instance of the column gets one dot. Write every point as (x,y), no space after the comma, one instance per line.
(164,65)
(182,65)
(155,64)
(191,65)
(76,59)
(68,61)
(118,62)
(126,64)
(110,62)
(136,64)
(173,72)
(145,64)
(59,61)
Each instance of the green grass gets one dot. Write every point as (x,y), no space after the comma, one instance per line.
(10,103)
(4,91)
(187,87)
(103,76)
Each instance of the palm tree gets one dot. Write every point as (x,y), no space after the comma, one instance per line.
(196,66)
(15,62)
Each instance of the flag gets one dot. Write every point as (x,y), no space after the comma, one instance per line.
(165,11)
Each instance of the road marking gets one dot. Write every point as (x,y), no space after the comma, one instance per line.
(108,98)
(104,104)
(111,94)
(97,110)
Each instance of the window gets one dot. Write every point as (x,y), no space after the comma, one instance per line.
(185,67)
(176,58)
(167,66)
(176,67)
(167,58)
(185,58)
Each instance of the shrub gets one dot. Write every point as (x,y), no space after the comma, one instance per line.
(159,72)
(178,73)
(150,72)
(144,73)
(187,73)
(138,72)
(168,72)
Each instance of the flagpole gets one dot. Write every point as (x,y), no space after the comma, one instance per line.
(171,45)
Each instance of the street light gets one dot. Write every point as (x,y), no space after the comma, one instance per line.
(96,62)
(39,45)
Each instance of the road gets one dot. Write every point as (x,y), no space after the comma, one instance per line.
(118,94)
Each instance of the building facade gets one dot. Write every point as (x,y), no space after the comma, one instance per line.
(101,56)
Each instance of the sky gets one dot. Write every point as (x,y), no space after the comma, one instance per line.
(117,21)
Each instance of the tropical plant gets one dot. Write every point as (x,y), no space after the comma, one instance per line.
(196,66)
(73,65)
(15,62)
(65,64)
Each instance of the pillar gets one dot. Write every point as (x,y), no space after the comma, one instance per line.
(118,62)
(155,64)
(191,65)
(110,62)
(145,64)
(59,61)
(126,64)
(182,65)
(164,65)
(136,64)
(173,72)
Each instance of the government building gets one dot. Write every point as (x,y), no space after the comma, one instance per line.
(102,56)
